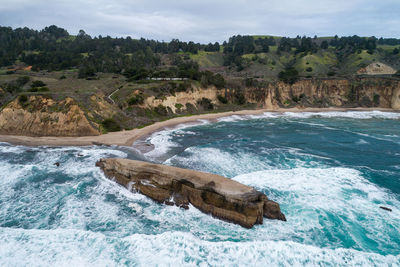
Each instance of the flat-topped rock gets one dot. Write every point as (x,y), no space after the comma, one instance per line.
(221,197)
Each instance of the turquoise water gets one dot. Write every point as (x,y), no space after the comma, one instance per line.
(329,171)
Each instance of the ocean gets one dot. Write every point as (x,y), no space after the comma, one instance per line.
(330,171)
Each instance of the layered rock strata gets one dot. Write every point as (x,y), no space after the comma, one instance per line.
(221,197)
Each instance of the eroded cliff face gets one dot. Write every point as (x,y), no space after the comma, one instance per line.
(42,116)
(221,197)
(181,99)
(363,92)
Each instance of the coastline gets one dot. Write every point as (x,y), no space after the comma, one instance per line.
(127,138)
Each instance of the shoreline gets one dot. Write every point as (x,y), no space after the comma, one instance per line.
(127,138)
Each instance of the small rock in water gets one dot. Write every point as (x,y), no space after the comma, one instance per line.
(57,164)
(384,208)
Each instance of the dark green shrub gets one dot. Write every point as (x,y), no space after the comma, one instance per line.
(309,69)
(22,99)
(38,84)
(62,77)
(21,81)
(178,106)
(331,73)
(190,108)
(289,75)
(222,99)
(39,89)
(376,99)
(111,125)
(240,99)
(205,103)
(161,110)
(136,100)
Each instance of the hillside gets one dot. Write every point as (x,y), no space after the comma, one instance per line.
(112,84)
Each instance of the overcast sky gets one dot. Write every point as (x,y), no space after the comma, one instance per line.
(207,20)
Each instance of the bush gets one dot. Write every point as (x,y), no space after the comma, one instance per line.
(376,99)
(111,125)
(178,106)
(62,77)
(309,69)
(161,110)
(205,103)
(240,99)
(331,73)
(38,84)
(289,75)
(39,89)
(22,99)
(222,99)
(397,74)
(136,100)
(23,80)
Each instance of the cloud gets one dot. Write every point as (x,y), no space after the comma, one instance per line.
(207,21)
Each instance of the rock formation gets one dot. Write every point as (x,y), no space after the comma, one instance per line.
(377,68)
(363,92)
(221,197)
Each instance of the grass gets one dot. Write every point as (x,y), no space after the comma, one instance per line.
(207,59)
(388,47)
(320,63)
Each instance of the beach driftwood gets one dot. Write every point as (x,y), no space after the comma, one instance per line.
(221,197)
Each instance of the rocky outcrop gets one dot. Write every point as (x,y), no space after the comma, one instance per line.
(182,99)
(377,68)
(43,116)
(221,197)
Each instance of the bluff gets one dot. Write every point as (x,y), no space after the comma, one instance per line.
(221,197)
(357,92)
(43,116)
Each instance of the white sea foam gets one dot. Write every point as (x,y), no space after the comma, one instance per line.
(342,114)
(82,248)
(231,164)
(324,114)
(162,140)
(307,196)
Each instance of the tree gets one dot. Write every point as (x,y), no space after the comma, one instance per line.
(324,44)
(289,75)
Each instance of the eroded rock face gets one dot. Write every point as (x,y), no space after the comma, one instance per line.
(221,197)
(42,116)
(362,92)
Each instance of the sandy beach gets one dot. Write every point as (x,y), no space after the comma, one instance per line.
(127,138)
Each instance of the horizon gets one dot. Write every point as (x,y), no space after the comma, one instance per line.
(196,21)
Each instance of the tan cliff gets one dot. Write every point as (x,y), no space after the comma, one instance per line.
(184,98)
(360,92)
(43,116)
(364,92)
(221,197)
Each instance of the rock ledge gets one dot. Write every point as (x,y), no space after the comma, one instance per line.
(221,197)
